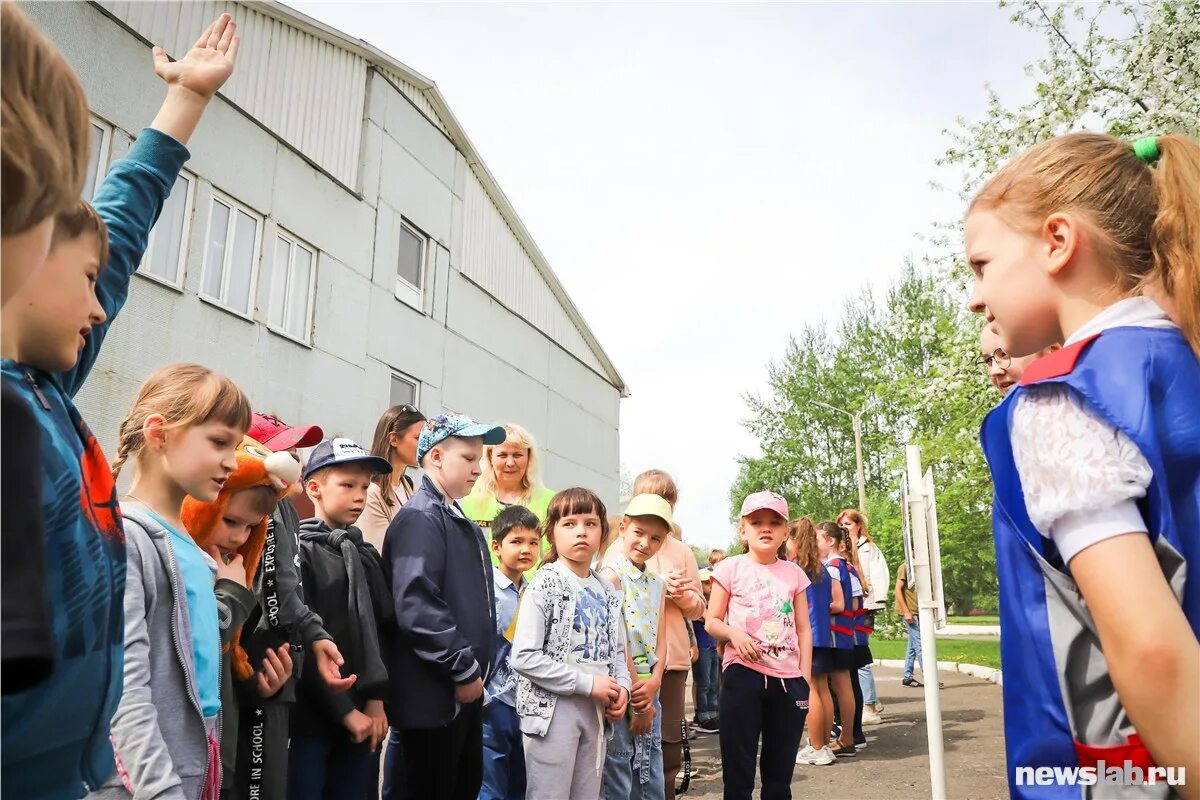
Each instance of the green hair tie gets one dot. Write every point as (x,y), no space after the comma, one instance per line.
(1146,149)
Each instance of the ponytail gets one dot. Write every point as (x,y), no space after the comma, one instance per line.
(1175,235)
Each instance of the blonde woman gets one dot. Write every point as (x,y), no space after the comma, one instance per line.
(510,477)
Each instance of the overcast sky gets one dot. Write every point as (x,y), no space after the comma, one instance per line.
(705,179)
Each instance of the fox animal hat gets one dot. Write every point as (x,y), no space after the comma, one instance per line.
(256,466)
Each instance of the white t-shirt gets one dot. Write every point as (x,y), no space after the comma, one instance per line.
(1081,476)
(590,645)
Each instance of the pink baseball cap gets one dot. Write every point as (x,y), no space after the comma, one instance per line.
(272,433)
(768,500)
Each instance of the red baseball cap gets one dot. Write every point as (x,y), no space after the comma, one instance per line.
(270,431)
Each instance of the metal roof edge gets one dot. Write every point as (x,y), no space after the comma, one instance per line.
(429,88)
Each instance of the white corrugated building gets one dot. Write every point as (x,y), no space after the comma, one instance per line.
(335,244)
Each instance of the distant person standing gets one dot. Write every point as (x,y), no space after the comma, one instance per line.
(877,575)
(396,437)
(510,477)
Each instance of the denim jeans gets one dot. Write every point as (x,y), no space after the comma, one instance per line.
(706,672)
(866,678)
(633,766)
(326,769)
(503,756)
(914,648)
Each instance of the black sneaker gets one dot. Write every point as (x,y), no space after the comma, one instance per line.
(709,726)
(844,752)
(835,732)
(912,682)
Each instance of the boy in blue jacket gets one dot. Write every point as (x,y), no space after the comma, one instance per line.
(440,573)
(55,736)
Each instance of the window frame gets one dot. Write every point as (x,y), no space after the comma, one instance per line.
(295,241)
(104,155)
(396,375)
(403,289)
(185,235)
(234,206)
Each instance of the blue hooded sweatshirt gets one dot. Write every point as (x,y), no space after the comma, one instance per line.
(55,736)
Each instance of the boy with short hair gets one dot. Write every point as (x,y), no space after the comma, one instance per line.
(515,541)
(334,733)
(438,567)
(56,735)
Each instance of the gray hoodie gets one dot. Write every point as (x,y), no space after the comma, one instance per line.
(159,733)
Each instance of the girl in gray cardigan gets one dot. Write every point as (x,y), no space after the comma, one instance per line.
(569,655)
(182,433)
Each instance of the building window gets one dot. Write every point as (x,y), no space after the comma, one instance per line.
(100,141)
(404,391)
(167,248)
(231,255)
(410,264)
(293,276)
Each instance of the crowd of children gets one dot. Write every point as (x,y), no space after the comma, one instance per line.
(201,638)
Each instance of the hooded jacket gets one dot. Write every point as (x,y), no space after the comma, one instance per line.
(55,735)
(159,731)
(346,586)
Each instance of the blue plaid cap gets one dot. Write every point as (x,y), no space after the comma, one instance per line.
(442,426)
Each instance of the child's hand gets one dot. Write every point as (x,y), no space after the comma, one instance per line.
(470,692)
(231,570)
(643,722)
(744,645)
(617,709)
(644,693)
(277,668)
(207,65)
(359,725)
(604,689)
(379,723)
(679,584)
(329,663)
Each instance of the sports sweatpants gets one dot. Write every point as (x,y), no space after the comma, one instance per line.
(753,707)
(568,762)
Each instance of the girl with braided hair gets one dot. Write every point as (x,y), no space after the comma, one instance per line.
(181,435)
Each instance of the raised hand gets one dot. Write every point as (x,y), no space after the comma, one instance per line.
(206,67)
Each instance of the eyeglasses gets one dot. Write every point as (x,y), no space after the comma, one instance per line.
(407,409)
(998,357)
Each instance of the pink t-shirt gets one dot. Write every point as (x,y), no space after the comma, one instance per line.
(761,598)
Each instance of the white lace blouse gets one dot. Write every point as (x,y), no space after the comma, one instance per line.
(1081,476)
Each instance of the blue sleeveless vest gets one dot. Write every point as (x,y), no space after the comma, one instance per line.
(1060,708)
(860,613)
(843,623)
(820,595)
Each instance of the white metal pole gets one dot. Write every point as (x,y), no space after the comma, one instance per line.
(858,458)
(927,621)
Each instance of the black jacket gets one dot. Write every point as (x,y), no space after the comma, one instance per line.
(344,583)
(440,575)
(282,615)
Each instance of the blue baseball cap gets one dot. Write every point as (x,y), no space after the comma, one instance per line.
(336,452)
(442,426)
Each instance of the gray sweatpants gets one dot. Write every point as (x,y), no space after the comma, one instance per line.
(562,765)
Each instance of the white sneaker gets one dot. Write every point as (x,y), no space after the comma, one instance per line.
(823,757)
(806,755)
(871,719)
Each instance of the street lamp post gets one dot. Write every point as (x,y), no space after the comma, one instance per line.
(856,419)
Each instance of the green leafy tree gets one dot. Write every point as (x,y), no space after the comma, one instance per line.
(910,359)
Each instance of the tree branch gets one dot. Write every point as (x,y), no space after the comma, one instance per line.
(1084,63)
